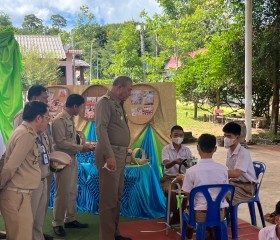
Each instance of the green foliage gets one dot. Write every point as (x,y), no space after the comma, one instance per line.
(58,21)
(125,59)
(101,81)
(39,69)
(32,25)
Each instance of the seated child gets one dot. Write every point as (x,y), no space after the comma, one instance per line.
(272,232)
(172,156)
(205,172)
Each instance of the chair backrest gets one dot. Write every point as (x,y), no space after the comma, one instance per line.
(260,168)
(213,217)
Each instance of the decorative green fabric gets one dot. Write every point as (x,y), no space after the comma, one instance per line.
(10,82)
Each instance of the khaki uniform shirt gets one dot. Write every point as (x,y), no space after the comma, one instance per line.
(111,124)
(64,134)
(21,167)
(46,140)
(18,119)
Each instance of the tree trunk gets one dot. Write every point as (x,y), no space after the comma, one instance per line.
(275,98)
(195,110)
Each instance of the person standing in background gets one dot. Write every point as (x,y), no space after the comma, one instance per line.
(65,140)
(110,154)
(21,173)
(41,195)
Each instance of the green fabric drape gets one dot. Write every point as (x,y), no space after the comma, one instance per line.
(10,82)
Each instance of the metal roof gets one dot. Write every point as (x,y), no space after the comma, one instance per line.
(42,43)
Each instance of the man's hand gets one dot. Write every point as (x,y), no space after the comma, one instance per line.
(178,160)
(111,164)
(180,178)
(87,147)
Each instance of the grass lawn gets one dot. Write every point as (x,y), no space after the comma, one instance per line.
(185,114)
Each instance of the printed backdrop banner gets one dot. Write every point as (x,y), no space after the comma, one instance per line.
(10,82)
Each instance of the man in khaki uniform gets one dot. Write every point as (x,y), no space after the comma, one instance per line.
(41,195)
(64,135)
(110,153)
(21,173)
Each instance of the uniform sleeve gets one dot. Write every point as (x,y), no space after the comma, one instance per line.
(59,137)
(243,161)
(22,147)
(18,119)
(164,154)
(102,118)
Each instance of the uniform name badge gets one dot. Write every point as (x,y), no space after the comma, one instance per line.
(45,158)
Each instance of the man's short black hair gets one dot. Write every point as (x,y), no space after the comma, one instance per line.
(121,81)
(32,109)
(207,143)
(176,127)
(35,91)
(74,99)
(277,208)
(233,128)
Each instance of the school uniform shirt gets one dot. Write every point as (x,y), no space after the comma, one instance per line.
(170,154)
(240,159)
(268,233)
(205,172)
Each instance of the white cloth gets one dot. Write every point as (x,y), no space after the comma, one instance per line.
(268,233)
(240,159)
(205,172)
(170,154)
(2,145)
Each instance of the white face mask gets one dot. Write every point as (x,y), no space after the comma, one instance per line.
(228,142)
(177,140)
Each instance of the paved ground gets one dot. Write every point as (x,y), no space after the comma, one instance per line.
(270,189)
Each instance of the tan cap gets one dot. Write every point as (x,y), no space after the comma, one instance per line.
(59,160)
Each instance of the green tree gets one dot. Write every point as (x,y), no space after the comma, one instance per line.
(5,20)
(58,22)
(126,59)
(39,68)
(32,25)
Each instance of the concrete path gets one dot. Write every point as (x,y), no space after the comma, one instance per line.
(270,189)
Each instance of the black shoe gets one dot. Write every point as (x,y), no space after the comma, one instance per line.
(122,238)
(59,231)
(2,235)
(75,224)
(48,237)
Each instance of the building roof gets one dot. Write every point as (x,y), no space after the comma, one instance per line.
(80,63)
(173,62)
(202,50)
(43,43)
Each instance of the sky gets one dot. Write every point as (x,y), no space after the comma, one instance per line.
(105,11)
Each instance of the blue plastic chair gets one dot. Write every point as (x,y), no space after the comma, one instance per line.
(213,218)
(260,170)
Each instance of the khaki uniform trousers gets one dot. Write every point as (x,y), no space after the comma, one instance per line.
(16,210)
(243,191)
(38,205)
(49,180)
(65,202)
(111,185)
